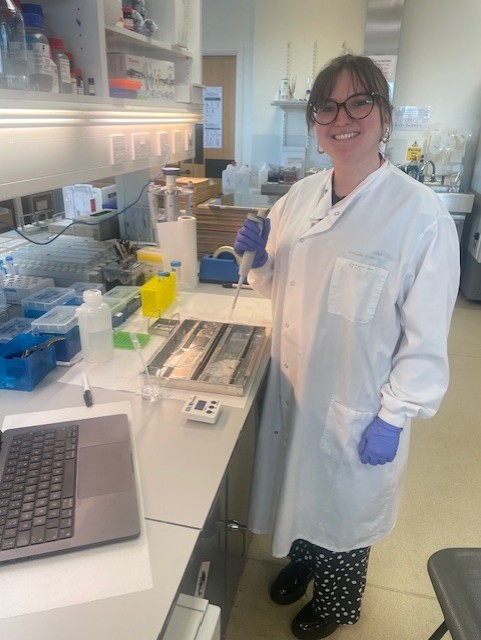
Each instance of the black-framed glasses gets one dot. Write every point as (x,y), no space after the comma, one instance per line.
(357,106)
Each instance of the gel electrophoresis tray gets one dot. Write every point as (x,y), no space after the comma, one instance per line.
(210,356)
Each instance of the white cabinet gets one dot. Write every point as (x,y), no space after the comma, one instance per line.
(50,140)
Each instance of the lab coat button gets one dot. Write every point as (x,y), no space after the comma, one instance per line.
(286,366)
(336,213)
(301,239)
(292,283)
(287,325)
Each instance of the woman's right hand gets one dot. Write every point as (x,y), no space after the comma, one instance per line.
(250,238)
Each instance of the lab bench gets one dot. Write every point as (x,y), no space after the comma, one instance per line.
(194,479)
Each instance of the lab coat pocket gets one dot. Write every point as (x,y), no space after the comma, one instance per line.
(355,290)
(343,431)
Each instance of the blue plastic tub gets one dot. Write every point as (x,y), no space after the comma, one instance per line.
(25,373)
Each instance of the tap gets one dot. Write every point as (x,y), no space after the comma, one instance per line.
(422,172)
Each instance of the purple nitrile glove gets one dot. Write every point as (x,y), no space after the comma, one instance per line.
(379,442)
(251,238)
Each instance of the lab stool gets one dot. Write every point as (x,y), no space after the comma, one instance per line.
(456,577)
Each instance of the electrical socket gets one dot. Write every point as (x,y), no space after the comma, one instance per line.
(118,151)
(141,146)
(177,142)
(189,140)
(161,143)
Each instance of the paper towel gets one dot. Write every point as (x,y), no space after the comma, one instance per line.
(178,241)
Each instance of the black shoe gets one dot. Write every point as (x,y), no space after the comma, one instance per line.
(291,583)
(307,625)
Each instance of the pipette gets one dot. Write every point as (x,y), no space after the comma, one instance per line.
(248,256)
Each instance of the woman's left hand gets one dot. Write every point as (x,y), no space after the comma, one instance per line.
(379,442)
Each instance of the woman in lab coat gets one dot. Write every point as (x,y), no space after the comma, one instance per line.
(361,263)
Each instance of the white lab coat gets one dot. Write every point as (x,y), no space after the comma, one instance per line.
(362,296)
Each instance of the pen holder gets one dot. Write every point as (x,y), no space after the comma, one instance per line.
(24,373)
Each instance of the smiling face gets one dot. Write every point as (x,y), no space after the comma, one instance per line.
(348,141)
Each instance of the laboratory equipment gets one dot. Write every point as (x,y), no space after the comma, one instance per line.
(248,257)
(158,293)
(211,357)
(165,201)
(202,409)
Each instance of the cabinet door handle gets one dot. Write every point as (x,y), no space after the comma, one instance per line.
(235,525)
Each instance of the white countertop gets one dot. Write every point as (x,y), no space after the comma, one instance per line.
(181,465)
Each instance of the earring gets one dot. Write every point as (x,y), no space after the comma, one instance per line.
(385,137)
(319,149)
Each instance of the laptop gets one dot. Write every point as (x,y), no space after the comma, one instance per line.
(66,486)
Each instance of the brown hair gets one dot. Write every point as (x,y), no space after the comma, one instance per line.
(363,70)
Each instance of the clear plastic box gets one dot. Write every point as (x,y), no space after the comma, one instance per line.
(80,287)
(13,327)
(127,272)
(17,288)
(39,303)
(61,321)
(128,296)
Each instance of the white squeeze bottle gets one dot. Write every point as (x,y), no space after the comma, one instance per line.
(95,325)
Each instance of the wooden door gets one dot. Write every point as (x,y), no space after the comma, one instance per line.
(219,71)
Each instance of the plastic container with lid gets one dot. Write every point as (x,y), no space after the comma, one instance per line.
(13,48)
(39,303)
(95,324)
(60,321)
(38,51)
(63,64)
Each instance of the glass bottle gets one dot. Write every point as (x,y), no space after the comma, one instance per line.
(13,47)
(38,51)
(63,64)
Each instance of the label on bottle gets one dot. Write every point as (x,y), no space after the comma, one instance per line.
(64,70)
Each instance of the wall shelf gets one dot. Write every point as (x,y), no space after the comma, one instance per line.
(50,140)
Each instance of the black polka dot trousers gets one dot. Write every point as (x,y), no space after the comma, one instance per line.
(339,579)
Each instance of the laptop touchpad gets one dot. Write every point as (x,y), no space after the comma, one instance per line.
(104,469)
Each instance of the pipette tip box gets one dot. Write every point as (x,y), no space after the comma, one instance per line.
(60,321)
(13,327)
(39,303)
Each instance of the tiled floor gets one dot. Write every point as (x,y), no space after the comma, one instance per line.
(441,508)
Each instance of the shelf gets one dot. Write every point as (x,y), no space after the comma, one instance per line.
(289,104)
(124,40)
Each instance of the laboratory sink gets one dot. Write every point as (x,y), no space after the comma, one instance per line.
(440,188)
(455,202)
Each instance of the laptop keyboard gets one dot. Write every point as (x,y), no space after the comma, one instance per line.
(37,489)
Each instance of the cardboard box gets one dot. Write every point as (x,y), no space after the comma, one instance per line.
(6,217)
(160,79)
(125,65)
(190,93)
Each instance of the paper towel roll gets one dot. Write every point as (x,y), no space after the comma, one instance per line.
(178,241)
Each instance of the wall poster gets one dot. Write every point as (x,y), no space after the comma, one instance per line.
(212,117)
